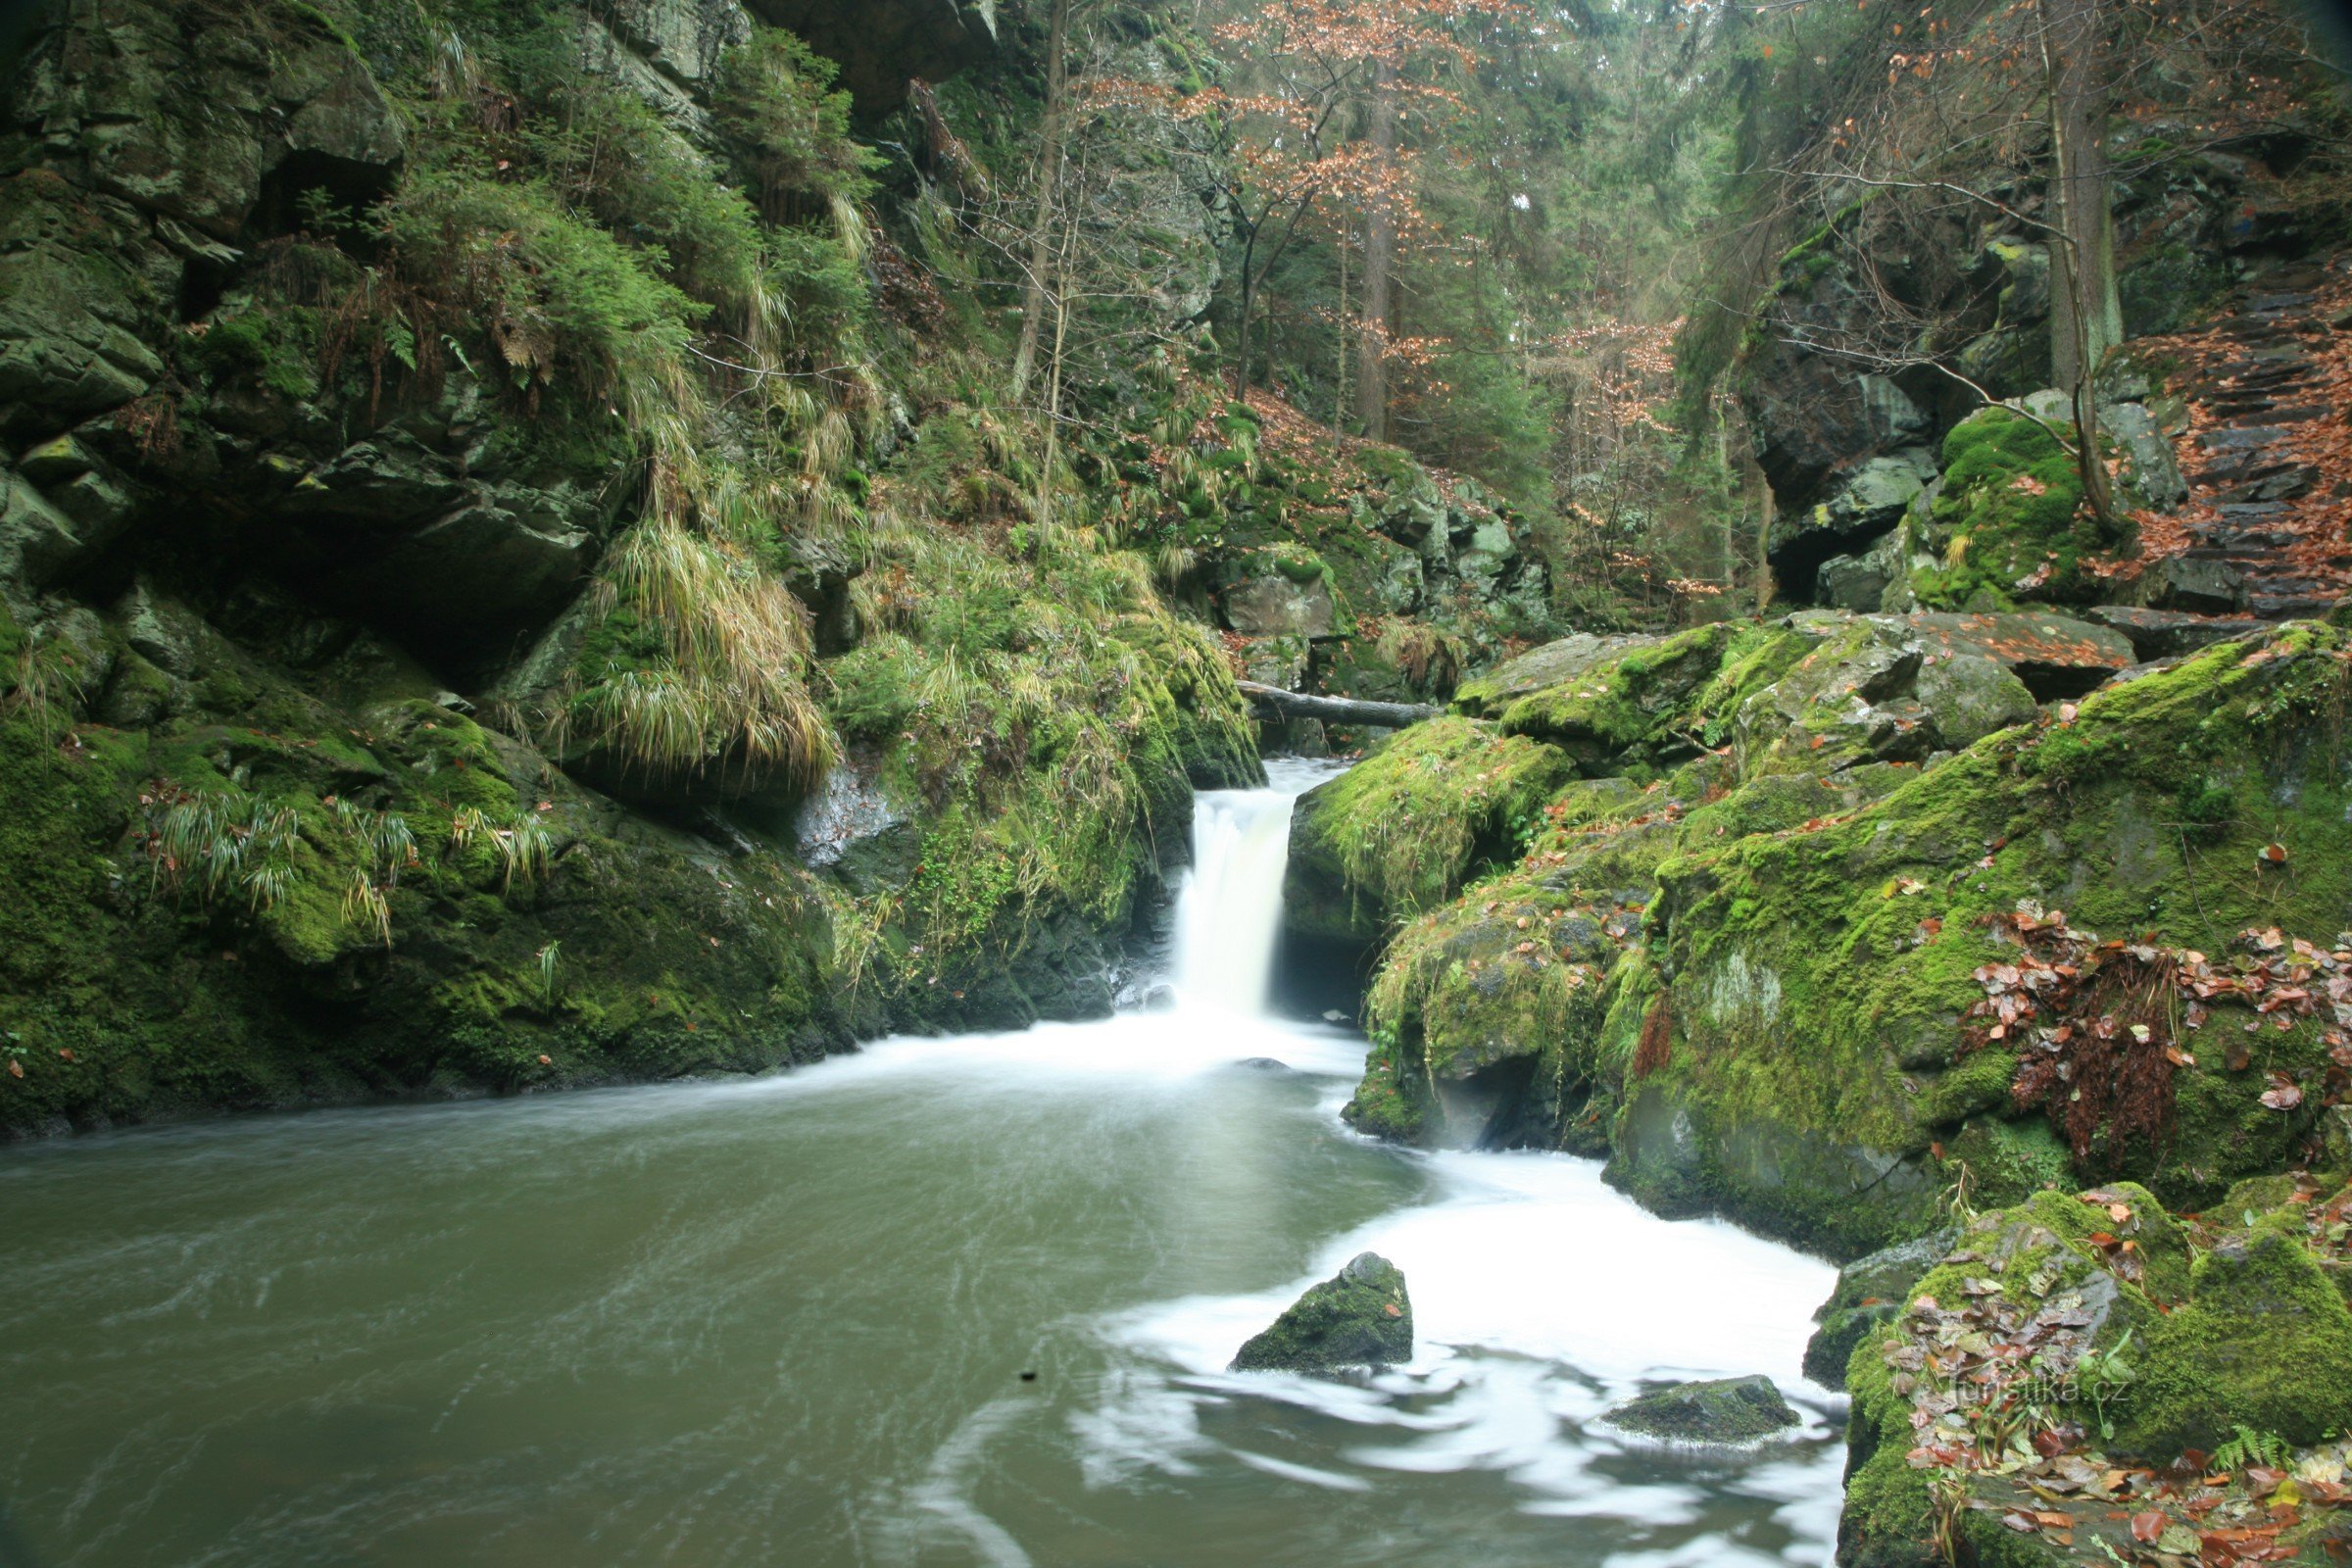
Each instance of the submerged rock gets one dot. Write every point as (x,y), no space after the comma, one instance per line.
(1361,1316)
(1721,1410)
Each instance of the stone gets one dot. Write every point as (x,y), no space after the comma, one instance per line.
(2170,633)
(1973,696)
(2055,656)
(2048,405)
(159,631)
(1273,605)
(55,460)
(346,127)
(1726,1411)
(1360,1318)
(681,38)
(1851,582)
(2150,471)
(2203,587)
(35,537)
(1871,1291)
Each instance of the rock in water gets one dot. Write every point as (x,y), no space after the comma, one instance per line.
(1360,1316)
(1721,1410)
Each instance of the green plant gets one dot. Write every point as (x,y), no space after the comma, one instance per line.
(2252,1448)
(365,904)
(550,959)
(2103,1380)
(220,848)
(524,848)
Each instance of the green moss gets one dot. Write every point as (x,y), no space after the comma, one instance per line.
(2010,516)
(2265,1342)
(1402,831)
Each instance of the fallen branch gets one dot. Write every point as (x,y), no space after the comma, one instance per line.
(1280,704)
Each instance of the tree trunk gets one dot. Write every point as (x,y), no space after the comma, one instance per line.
(1339,369)
(1379,246)
(1049,178)
(1335,709)
(2086,317)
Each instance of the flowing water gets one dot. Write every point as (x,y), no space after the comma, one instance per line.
(944,1302)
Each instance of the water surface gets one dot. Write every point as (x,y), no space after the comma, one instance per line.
(785,1321)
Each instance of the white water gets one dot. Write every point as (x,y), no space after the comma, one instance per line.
(781,1321)
(1230,905)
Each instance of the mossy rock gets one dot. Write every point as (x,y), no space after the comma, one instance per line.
(1732,1412)
(1871,1291)
(1402,830)
(2248,1335)
(2010,518)
(1359,1317)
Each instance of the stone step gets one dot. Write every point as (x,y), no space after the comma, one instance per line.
(2278,301)
(2280,482)
(2272,606)
(2166,633)
(2251,510)
(2240,437)
(2296,413)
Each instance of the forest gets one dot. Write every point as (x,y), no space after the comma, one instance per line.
(898,707)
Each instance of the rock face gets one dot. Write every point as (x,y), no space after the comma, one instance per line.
(307,549)
(1723,1411)
(1359,1317)
(883,44)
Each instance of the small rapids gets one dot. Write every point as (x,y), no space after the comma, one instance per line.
(940,1302)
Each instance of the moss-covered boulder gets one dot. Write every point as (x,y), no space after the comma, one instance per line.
(1359,1317)
(2009,524)
(1402,830)
(1813,1078)
(2066,1348)
(1729,1412)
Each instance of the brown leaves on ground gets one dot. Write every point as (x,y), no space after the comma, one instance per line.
(2093,1022)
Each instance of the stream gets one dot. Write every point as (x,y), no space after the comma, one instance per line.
(944,1302)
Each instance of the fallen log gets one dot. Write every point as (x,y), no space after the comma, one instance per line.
(1274,701)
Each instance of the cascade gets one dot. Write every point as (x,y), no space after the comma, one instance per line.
(1231,906)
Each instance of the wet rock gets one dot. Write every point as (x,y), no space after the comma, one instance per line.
(1871,1291)
(1720,1410)
(1359,1317)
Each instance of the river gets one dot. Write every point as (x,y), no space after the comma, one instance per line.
(939,1303)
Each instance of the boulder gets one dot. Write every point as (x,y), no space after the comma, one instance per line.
(1361,1316)
(1851,582)
(1724,1411)
(2199,587)
(2151,474)
(2054,655)
(1274,606)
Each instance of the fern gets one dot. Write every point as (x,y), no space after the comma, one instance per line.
(2251,1447)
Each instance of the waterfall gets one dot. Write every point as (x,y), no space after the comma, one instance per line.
(1228,912)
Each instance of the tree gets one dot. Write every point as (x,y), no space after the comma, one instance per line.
(1041,227)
